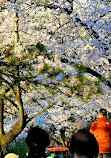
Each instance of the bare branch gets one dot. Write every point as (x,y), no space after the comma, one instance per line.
(12,102)
(95,73)
(44,109)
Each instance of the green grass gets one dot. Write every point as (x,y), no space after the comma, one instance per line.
(18,147)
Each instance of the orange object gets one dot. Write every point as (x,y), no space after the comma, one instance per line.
(102,131)
(57,149)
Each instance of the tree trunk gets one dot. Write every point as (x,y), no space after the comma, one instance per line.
(19,99)
(1,124)
(1,116)
(5,139)
(16,30)
(62,141)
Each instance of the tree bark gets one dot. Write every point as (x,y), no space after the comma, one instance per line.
(5,139)
(1,123)
(19,99)
(1,115)
(16,30)
(94,73)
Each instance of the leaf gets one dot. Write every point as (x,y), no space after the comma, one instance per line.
(31,49)
(41,47)
(2,92)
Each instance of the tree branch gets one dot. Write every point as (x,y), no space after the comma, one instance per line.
(1,115)
(94,33)
(44,109)
(19,99)
(98,75)
(52,6)
(12,102)
(56,139)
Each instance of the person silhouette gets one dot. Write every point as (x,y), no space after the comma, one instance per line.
(83,143)
(102,131)
(37,140)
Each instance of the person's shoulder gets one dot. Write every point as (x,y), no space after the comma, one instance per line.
(87,132)
(82,132)
(95,122)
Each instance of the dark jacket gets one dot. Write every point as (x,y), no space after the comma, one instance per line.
(84,143)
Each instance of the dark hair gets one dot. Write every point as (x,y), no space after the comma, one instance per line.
(84,143)
(37,140)
(103,111)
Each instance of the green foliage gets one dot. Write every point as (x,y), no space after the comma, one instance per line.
(85,87)
(12,61)
(2,92)
(31,50)
(103,79)
(41,47)
(1,80)
(86,99)
(77,89)
(18,147)
(46,68)
(98,85)
(66,83)
(26,63)
(41,2)
(80,68)
(53,91)
(63,101)
(50,104)
(51,71)
(54,72)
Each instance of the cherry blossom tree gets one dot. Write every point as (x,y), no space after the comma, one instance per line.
(60,57)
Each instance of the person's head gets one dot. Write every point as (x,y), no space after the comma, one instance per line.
(37,140)
(11,155)
(83,144)
(102,112)
(82,124)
